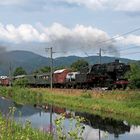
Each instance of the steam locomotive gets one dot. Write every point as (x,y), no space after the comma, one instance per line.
(110,75)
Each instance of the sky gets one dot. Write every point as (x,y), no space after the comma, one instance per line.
(71,27)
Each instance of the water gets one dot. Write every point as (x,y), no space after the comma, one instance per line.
(96,127)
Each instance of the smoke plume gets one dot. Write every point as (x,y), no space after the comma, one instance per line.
(3,58)
(69,41)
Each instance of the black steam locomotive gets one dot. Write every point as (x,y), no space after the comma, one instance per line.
(109,75)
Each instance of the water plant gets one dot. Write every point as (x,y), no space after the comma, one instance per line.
(76,128)
(11,130)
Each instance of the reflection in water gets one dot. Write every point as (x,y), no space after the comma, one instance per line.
(95,126)
(105,124)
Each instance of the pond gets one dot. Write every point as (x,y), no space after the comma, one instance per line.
(96,127)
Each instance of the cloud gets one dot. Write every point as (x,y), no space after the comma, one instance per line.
(128,5)
(11,2)
(118,5)
(22,33)
(129,40)
(79,38)
(85,39)
(93,4)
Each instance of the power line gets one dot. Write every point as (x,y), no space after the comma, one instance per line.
(120,50)
(131,53)
(123,49)
(101,42)
(124,34)
(112,38)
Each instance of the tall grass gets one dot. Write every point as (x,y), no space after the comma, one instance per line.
(9,130)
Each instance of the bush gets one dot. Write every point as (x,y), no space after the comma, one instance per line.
(134,76)
(22,82)
(86,95)
(134,84)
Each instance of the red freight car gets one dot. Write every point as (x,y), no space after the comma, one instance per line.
(59,77)
(4,81)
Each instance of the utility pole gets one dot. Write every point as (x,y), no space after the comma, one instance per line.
(100,55)
(10,74)
(51,85)
(51,65)
(99,134)
(51,68)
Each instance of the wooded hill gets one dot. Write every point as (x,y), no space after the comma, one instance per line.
(31,61)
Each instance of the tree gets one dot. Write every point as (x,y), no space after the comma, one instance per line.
(19,71)
(22,82)
(134,76)
(44,69)
(79,64)
(59,67)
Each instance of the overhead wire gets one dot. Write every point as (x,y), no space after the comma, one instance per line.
(131,53)
(124,49)
(115,37)
(101,42)
(124,34)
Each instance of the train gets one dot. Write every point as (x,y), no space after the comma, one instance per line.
(4,80)
(110,75)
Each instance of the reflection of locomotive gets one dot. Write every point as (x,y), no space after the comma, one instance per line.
(98,75)
(112,126)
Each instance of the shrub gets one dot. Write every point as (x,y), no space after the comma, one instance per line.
(86,95)
(22,82)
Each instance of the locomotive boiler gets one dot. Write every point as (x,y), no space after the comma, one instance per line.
(111,75)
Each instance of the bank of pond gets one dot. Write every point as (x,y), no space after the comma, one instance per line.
(107,114)
(34,121)
(120,105)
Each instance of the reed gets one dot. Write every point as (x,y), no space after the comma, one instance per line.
(9,130)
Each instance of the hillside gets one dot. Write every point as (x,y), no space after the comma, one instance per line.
(31,61)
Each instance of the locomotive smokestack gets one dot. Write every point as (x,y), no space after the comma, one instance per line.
(2,57)
(116,61)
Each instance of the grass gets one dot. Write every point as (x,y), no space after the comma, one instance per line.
(9,130)
(121,105)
